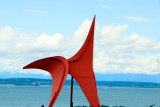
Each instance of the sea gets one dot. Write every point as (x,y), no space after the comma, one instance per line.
(35,96)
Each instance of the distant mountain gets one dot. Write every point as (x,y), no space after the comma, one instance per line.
(99,77)
(67,83)
(128,77)
(23,75)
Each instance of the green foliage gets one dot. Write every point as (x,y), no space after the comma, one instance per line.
(80,106)
(90,106)
(118,106)
(104,106)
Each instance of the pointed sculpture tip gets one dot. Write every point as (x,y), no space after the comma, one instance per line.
(94,17)
(25,67)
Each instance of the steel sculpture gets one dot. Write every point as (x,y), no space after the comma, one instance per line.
(80,67)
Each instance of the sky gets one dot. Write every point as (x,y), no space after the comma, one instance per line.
(127,35)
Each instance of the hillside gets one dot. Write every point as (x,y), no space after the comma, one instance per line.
(67,83)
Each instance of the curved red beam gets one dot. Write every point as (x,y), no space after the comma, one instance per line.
(58,68)
(80,66)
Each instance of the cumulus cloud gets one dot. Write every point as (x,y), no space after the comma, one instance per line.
(43,43)
(126,63)
(6,33)
(111,34)
(114,51)
(119,53)
(157,46)
(148,65)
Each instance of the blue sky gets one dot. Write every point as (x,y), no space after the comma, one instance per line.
(127,36)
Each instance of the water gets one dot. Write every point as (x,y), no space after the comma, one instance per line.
(35,96)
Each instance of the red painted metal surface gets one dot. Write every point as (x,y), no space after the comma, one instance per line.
(80,66)
(58,68)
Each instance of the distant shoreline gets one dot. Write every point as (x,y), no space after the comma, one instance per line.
(12,81)
(12,85)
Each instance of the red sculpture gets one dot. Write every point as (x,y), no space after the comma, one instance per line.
(80,66)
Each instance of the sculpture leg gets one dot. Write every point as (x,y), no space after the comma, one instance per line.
(71,103)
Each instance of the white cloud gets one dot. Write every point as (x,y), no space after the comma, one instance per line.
(118,53)
(46,42)
(157,46)
(134,36)
(148,65)
(138,19)
(111,34)
(106,6)
(9,64)
(114,51)
(42,43)
(6,33)
(40,12)
(126,64)
(81,33)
